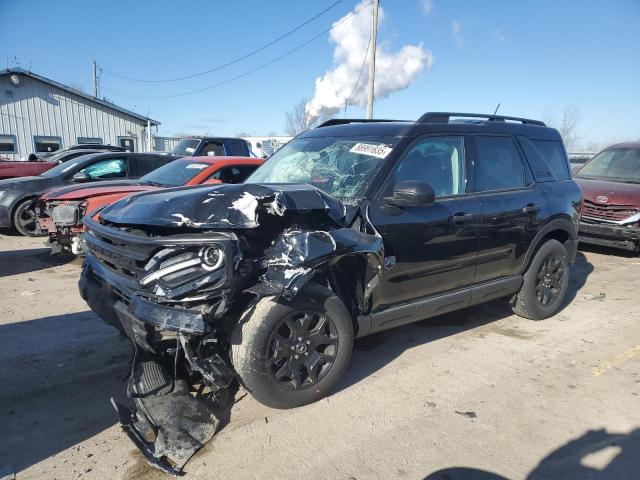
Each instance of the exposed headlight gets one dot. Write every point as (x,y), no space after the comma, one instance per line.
(212,258)
(65,215)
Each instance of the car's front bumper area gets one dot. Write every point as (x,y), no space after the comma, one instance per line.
(626,237)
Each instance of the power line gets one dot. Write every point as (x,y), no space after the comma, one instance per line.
(231,62)
(248,72)
(355,87)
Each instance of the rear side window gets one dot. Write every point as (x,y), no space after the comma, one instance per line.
(145,164)
(215,149)
(238,148)
(499,165)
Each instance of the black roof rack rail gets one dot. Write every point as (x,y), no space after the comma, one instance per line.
(344,121)
(444,117)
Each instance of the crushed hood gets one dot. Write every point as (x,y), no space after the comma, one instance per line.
(222,206)
(94,189)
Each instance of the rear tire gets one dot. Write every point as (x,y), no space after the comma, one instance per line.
(289,354)
(546,282)
(25,219)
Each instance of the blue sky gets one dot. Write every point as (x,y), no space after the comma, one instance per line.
(534,57)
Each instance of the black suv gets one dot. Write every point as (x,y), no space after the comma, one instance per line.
(352,228)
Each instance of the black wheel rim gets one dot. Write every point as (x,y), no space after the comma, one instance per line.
(27,218)
(549,280)
(302,349)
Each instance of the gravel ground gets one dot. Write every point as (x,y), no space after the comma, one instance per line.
(475,391)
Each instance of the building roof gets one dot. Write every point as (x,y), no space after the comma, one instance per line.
(69,89)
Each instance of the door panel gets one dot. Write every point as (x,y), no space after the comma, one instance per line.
(510,205)
(429,249)
(426,251)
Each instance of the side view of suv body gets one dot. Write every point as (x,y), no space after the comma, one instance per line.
(212,146)
(350,229)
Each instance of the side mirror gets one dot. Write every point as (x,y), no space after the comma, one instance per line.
(213,181)
(412,193)
(81,177)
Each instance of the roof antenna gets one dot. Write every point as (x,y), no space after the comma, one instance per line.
(496,110)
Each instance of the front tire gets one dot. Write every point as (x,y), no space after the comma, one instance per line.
(546,282)
(25,220)
(289,354)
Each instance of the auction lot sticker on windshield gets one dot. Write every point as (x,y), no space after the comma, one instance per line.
(379,151)
(199,166)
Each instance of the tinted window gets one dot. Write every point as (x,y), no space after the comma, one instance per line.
(499,165)
(215,149)
(553,155)
(439,161)
(238,148)
(146,163)
(111,168)
(47,144)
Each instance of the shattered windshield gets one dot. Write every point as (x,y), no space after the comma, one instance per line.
(175,173)
(340,166)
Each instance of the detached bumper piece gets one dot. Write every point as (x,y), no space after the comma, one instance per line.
(624,237)
(168,424)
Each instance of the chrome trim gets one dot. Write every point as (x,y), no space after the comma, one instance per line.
(632,219)
(171,269)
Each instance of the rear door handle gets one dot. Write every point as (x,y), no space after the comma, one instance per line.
(461,218)
(531,208)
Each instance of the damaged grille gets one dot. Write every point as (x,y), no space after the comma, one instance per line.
(614,213)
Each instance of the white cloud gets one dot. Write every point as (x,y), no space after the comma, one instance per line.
(456,31)
(426,6)
(394,70)
(497,33)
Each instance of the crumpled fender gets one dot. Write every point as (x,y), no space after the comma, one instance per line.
(296,256)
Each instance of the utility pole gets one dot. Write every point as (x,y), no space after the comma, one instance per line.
(372,59)
(95,80)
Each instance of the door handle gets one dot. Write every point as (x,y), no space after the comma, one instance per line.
(531,208)
(461,218)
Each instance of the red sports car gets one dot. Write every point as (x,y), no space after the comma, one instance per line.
(60,211)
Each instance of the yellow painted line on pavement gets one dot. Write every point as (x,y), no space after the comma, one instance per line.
(615,361)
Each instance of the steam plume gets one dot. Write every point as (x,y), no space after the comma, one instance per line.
(394,70)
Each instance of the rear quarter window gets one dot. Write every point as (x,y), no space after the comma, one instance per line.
(547,159)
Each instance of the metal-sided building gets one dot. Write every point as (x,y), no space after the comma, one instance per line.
(41,115)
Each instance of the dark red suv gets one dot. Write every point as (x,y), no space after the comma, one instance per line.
(611,185)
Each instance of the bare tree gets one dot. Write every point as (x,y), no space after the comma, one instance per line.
(567,125)
(297,119)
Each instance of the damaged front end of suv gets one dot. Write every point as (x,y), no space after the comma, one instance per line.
(175,271)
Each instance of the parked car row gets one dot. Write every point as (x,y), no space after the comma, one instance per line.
(220,274)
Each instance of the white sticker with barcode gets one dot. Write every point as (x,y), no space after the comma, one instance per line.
(198,166)
(378,151)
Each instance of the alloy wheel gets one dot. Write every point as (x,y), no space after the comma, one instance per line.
(302,349)
(549,280)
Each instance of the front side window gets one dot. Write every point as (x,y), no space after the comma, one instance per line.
(174,174)
(7,144)
(186,147)
(617,164)
(47,144)
(111,168)
(238,148)
(438,161)
(499,165)
(340,166)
